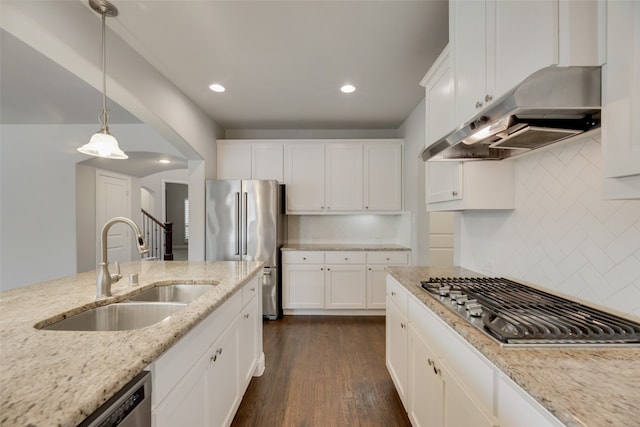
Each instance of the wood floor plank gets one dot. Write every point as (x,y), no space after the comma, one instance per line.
(323,371)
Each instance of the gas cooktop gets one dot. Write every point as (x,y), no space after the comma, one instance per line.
(518,315)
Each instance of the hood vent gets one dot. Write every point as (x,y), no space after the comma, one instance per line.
(551,105)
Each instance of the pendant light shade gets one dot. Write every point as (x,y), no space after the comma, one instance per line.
(102,143)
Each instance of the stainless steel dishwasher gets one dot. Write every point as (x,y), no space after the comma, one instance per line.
(130,407)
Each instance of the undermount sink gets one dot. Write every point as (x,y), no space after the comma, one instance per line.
(178,292)
(117,317)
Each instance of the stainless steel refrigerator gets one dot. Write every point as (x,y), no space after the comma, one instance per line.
(245,221)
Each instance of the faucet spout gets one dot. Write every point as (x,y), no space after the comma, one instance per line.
(105,279)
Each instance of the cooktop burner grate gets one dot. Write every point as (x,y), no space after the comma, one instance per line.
(514,313)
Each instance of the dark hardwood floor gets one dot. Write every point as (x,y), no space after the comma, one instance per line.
(323,371)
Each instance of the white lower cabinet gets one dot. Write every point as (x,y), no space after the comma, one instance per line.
(442,380)
(336,280)
(396,347)
(200,381)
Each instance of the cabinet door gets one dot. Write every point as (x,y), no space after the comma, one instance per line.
(531,23)
(426,388)
(304,176)
(383,177)
(343,177)
(345,286)
(444,181)
(396,348)
(376,286)
(459,408)
(303,286)
(187,404)
(439,106)
(621,93)
(468,35)
(267,161)
(250,329)
(223,377)
(234,160)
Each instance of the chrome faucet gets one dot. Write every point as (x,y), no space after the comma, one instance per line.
(103,283)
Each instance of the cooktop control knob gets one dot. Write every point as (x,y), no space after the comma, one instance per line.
(474,309)
(461,299)
(444,291)
(454,294)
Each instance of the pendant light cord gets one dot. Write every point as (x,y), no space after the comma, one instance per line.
(105,114)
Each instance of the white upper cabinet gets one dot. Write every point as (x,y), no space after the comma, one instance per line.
(383,177)
(267,161)
(439,106)
(343,177)
(234,160)
(621,101)
(304,176)
(497,44)
(242,159)
(454,186)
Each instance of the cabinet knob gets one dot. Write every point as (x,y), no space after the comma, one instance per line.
(213,358)
(366,207)
(430,362)
(393,294)
(388,259)
(328,269)
(304,258)
(346,258)
(321,269)
(454,193)
(402,325)
(246,316)
(369,268)
(488,98)
(478,104)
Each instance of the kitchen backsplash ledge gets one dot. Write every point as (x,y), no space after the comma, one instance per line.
(562,234)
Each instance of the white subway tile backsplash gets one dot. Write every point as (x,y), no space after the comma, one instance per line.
(562,234)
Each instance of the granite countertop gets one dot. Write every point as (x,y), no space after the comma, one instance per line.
(60,377)
(587,386)
(343,247)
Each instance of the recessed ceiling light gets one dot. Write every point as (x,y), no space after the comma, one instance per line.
(348,89)
(165,161)
(217,87)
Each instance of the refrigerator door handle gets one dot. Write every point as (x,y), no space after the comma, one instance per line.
(238,223)
(245,208)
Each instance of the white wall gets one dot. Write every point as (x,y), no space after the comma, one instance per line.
(416,217)
(562,234)
(38,192)
(344,229)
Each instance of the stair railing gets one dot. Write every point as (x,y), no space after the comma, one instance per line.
(155,232)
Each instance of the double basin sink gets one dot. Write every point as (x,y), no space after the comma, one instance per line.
(138,311)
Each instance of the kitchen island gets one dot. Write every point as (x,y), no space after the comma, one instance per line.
(580,386)
(61,377)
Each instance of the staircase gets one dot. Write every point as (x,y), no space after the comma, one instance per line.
(158,236)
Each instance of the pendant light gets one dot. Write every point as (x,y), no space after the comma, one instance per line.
(102,143)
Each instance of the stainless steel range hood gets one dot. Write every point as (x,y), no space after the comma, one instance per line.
(551,105)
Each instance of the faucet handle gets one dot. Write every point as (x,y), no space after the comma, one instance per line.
(117,276)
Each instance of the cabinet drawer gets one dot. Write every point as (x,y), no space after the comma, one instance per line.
(398,294)
(250,290)
(388,258)
(302,257)
(345,257)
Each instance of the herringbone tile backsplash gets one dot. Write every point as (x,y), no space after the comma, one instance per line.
(562,234)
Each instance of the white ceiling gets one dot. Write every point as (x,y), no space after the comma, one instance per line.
(282,62)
